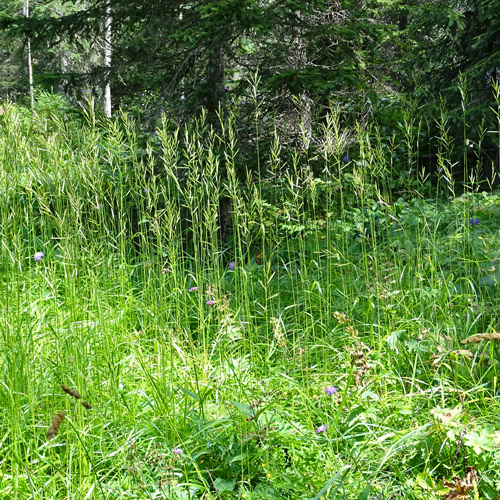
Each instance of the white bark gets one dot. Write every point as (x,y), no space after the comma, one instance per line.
(107,59)
(26,12)
(305,102)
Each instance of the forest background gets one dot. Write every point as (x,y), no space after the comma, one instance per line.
(258,241)
(365,58)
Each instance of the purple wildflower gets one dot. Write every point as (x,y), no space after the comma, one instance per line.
(194,289)
(345,159)
(38,256)
(232,266)
(177,451)
(321,428)
(330,390)
(474,221)
(210,302)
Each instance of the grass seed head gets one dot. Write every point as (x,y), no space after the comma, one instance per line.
(53,430)
(71,392)
(341,318)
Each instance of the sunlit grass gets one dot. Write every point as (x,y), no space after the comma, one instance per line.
(208,380)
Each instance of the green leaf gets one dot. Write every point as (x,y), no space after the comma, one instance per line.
(325,488)
(238,458)
(393,339)
(425,481)
(222,485)
(365,493)
(478,441)
(244,408)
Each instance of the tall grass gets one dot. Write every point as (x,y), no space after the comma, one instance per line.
(205,347)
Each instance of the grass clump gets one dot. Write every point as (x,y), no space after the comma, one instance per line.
(303,331)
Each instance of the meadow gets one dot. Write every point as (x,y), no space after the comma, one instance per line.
(337,339)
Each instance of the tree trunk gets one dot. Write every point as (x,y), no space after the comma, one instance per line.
(26,12)
(299,63)
(107,60)
(64,65)
(215,83)
(214,76)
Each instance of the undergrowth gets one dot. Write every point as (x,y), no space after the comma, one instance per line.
(305,329)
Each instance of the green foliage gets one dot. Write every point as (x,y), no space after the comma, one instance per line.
(207,360)
(183,57)
(284,64)
(453,52)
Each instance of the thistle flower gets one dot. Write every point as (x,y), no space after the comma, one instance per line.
(38,256)
(330,390)
(321,428)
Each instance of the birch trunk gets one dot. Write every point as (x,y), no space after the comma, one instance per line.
(300,63)
(107,60)
(26,12)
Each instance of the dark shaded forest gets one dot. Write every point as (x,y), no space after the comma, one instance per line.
(286,63)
